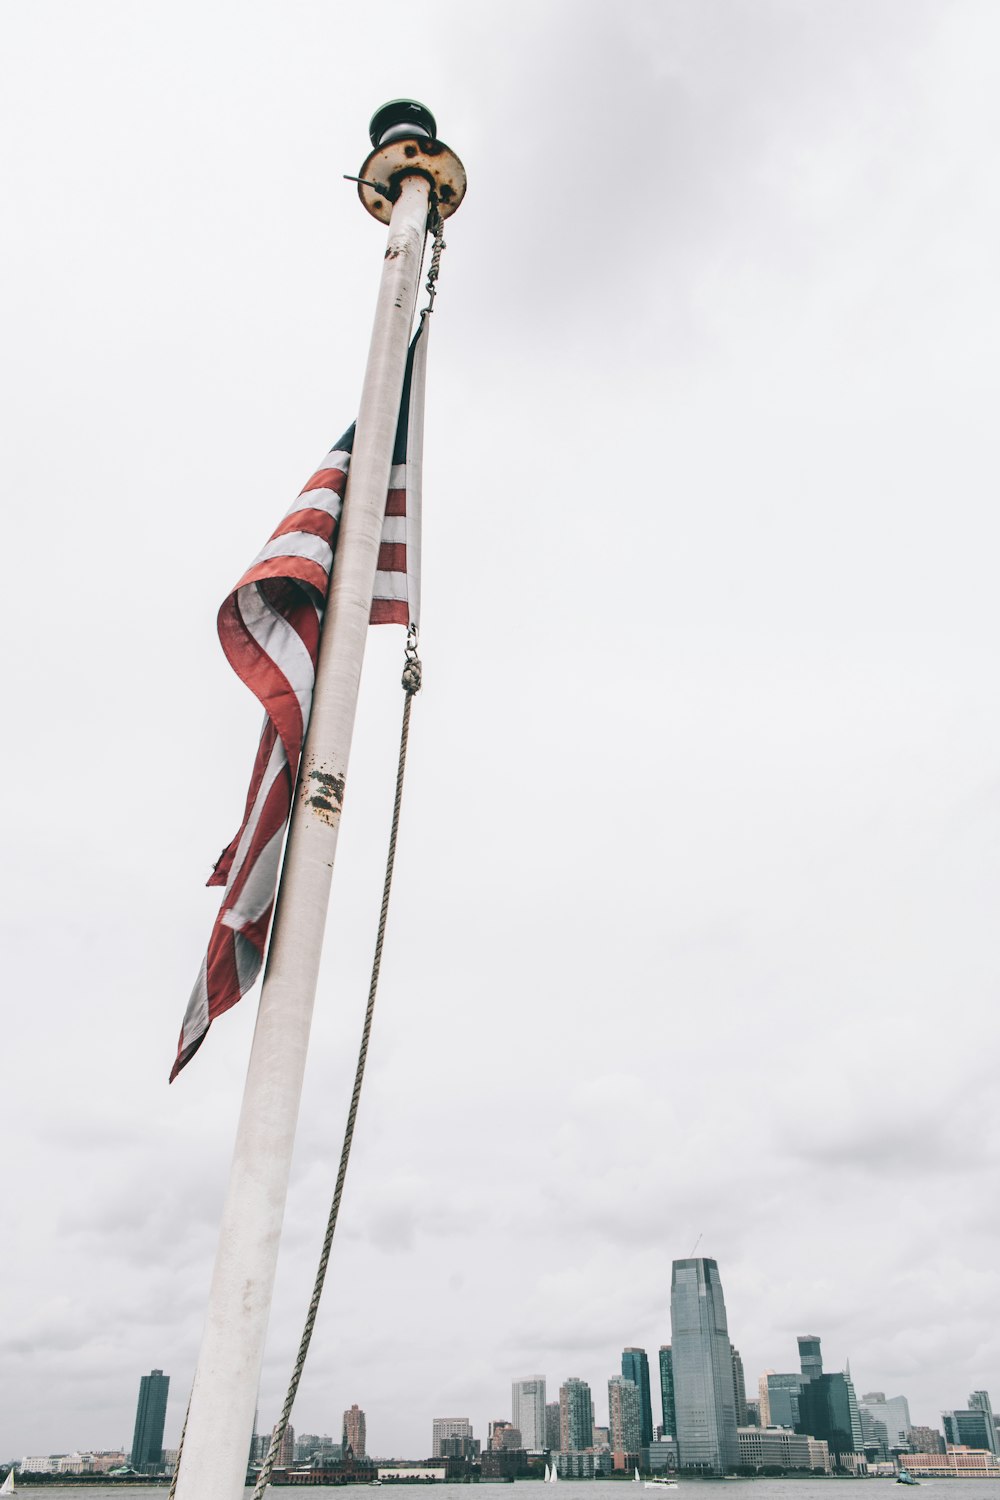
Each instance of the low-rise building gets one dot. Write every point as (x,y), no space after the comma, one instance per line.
(957,1463)
(660,1455)
(780,1448)
(575,1464)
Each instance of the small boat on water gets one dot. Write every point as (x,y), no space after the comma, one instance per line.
(903,1477)
(7,1488)
(660,1484)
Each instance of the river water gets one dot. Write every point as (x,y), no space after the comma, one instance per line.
(588,1489)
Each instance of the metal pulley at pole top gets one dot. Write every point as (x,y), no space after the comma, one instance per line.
(403,134)
(408,179)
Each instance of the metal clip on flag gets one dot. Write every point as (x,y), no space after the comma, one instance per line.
(294,630)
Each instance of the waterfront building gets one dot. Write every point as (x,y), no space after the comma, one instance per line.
(528,1411)
(780,1393)
(739,1388)
(753,1413)
(980,1401)
(894,1413)
(601,1439)
(701,1357)
(576,1465)
(552,1426)
(448,1427)
(660,1455)
(810,1356)
(667,1391)
(146,1455)
(624,1417)
(576,1416)
(503,1463)
(635,1367)
(956,1463)
(968,1429)
(354,1436)
(777,1448)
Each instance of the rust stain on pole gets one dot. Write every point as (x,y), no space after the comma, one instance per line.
(325,795)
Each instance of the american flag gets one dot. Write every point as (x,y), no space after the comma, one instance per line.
(269,627)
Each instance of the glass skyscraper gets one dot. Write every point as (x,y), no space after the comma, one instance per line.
(635,1367)
(810,1356)
(783,1399)
(667,1391)
(146,1456)
(704,1399)
(528,1411)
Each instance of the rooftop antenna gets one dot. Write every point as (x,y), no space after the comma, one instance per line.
(695,1245)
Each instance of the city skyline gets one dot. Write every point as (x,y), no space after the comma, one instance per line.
(695,985)
(576,1412)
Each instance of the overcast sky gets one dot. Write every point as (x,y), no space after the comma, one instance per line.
(694,929)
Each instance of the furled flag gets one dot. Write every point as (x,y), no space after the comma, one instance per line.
(269,627)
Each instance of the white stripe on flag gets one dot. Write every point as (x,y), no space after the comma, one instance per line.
(297,544)
(390,586)
(282,643)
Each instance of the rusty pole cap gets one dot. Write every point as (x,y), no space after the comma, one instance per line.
(399,118)
(404,137)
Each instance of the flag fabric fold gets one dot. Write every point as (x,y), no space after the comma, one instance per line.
(269,628)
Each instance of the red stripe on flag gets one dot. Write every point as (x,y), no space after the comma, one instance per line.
(392,557)
(390,612)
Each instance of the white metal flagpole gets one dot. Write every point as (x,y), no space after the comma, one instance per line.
(407,165)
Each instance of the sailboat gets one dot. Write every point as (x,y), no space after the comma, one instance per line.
(636,1477)
(7,1488)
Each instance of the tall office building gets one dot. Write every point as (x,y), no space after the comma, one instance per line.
(739,1388)
(354,1432)
(702,1368)
(968,1429)
(552,1426)
(894,1414)
(624,1415)
(828,1410)
(667,1391)
(635,1367)
(528,1411)
(810,1358)
(448,1427)
(783,1390)
(576,1416)
(146,1456)
(980,1401)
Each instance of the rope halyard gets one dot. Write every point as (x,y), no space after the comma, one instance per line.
(435,224)
(411,682)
